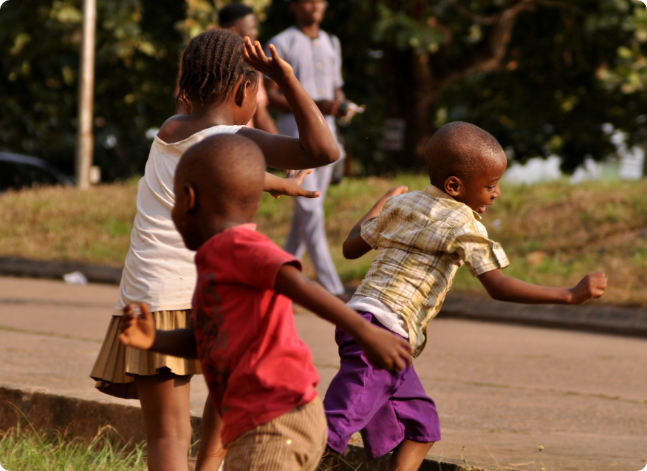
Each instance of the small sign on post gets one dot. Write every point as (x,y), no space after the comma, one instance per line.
(84,137)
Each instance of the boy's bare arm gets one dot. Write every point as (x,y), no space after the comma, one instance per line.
(382,348)
(139,332)
(354,246)
(316,145)
(503,288)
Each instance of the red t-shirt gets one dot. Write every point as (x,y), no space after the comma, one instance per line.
(255,366)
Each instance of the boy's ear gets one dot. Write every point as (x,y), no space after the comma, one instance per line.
(453,186)
(242,90)
(190,199)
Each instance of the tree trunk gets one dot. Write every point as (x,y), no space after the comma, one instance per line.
(425,96)
(410,101)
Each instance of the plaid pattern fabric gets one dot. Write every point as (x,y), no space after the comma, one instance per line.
(422,238)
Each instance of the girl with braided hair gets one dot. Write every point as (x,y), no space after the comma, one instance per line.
(217,82)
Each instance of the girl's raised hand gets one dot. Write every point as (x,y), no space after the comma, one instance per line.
(137,331)
(274,67)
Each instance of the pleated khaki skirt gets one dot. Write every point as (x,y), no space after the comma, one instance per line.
(117,365)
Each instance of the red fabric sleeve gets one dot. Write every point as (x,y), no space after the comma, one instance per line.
(256,260)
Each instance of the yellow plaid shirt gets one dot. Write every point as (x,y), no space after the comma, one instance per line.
(422,238)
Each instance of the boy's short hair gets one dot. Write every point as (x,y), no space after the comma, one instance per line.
(229,169)
(459,149)
(233,12)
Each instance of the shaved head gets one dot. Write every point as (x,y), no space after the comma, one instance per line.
(227,172)
(462,150)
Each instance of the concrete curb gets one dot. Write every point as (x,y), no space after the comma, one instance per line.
(592,317)
(55,269)
(84,419)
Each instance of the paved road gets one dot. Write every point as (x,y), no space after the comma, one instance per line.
(501,390)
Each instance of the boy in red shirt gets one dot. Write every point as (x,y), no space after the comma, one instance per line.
(260,375)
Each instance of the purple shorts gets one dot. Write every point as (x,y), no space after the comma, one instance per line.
(387,407)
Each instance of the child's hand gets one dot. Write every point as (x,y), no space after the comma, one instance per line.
(137,331)
(384,350)
(328,107)
(398,190)
(591,286)
(291,186)
(274,67)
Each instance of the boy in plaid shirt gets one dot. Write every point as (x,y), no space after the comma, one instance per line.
(421,239)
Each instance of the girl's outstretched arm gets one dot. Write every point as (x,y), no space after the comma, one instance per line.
(290,186)
(316,145)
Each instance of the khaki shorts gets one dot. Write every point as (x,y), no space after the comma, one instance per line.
(294,441)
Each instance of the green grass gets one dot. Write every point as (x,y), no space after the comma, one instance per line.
(28,450)
(553,233)
(68,224)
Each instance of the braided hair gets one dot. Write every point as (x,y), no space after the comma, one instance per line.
(211,66)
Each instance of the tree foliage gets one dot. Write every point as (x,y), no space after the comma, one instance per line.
(136,57)
(542,75)
(138,43)
(562,77)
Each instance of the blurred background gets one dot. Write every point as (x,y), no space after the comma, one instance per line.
(546,77)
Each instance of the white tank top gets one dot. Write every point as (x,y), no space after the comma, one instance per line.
(159,269)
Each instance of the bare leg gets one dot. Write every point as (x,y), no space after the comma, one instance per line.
(211,452)
(408,455)
(165,404)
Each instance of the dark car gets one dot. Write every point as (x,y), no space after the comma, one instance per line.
(21,171)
